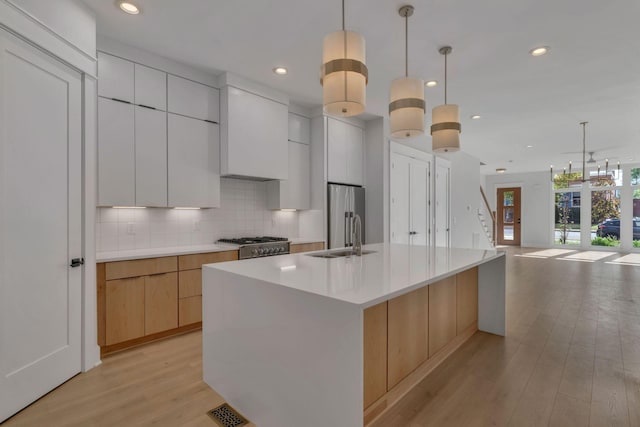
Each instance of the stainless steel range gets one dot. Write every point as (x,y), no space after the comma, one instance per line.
(255,247)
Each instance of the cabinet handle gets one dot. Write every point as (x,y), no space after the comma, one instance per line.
(76,262)
(147,106)
(120,100)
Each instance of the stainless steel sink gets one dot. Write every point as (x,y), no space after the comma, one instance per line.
(337,254)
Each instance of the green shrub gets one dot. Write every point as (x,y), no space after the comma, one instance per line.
(636,243)
(606,241)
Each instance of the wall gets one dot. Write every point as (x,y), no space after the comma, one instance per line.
(536,204)
(243,212)
(466,230)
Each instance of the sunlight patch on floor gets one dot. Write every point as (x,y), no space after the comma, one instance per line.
(630,259)
(588,256)
(547,253)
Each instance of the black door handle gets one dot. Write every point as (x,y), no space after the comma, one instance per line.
(76,262)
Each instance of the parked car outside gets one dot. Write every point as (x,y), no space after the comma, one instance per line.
(611,228)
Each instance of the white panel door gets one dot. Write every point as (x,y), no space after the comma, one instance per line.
(419,205)
(400,199)
(40,223)
(115,77)
(194,162)
(442,196)
(151,157)
(299,129)
(150,87)
(116,153)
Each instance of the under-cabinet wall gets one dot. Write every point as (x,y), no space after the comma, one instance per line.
(243,212)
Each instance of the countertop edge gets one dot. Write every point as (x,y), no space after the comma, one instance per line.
(158,253)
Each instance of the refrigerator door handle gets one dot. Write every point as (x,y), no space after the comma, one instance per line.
(346,228)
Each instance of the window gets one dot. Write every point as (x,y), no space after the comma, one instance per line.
(635,188)
(605,217)
(567,218)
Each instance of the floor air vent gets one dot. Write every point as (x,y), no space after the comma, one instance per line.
(225,416)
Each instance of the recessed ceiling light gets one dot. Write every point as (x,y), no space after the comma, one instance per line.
(281,71)
(529,146)
(129,8)
(501,170)
(539,51)
(475,117)
(431,83)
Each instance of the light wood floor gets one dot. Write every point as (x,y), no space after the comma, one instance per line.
(157,384)
(571,358)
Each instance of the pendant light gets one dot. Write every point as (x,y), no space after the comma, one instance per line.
(344,75)
(406,99)
(445,130)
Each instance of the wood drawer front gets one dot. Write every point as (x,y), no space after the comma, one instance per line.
(408,333)
(160,303)
(442,314)
(190,283)
(141,267)
(375,353)
(306,247)
(190,310)
(467,298)
(190,262)
(124,311)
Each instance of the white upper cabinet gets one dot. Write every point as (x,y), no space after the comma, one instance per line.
(151,157)
(345,153)
(299,128)
(194,171)
(116,153)
(254,135)
(150,87)
(192,99)
(293,193)
(115,78)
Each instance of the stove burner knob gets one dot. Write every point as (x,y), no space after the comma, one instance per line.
(270,251)
(262,251)
(254,252)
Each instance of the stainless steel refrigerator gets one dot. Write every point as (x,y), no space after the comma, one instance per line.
(345,201)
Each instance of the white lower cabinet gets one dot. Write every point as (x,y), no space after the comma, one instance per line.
(194,162)
(294,192)
(151,157)
(116,153)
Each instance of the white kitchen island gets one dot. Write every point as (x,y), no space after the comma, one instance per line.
(296,340)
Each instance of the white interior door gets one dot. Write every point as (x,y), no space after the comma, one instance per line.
(442,203)
(400,199)
(419,206)
(40,223)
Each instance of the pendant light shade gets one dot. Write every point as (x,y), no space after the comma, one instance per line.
(406,97)
(445,128)
(344,75)
(445,131)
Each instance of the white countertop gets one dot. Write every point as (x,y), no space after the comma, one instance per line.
(391,271)
(159,252)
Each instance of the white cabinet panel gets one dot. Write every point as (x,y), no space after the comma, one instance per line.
(151,157)
(400,199)
(345,153)
(150,87)
(116,153)
(192,99)
(355,154)
(194,171)
(293,193)
(442,201)
(254,136)
(115,77)
(299,128)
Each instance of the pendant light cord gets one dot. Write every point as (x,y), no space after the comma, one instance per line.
(406,45)
(445,78)
(343,25)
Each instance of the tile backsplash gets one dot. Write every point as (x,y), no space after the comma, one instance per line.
(243,212)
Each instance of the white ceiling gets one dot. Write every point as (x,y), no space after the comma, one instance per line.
(592,72)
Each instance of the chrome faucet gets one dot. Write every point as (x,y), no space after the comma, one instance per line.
(356,236)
